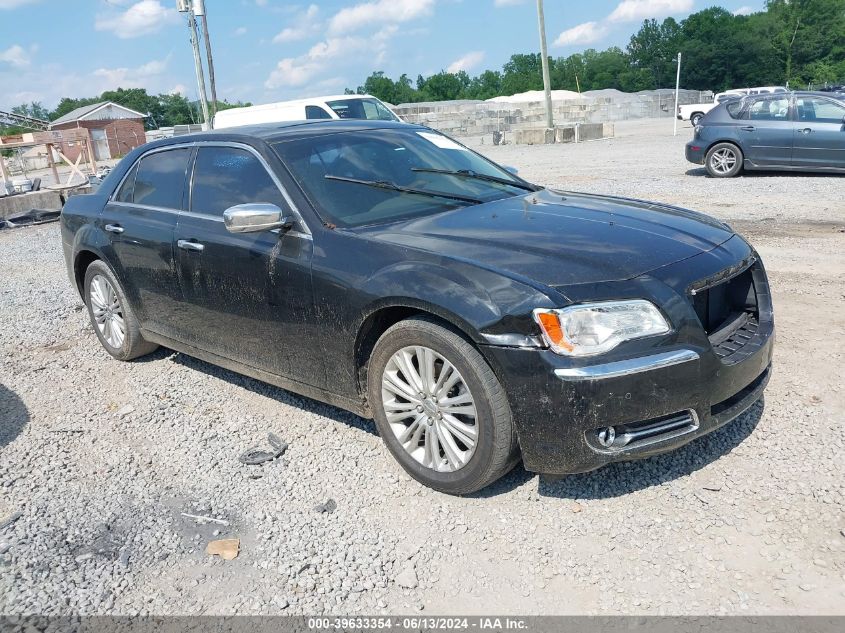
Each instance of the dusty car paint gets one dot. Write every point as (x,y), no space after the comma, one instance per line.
(302,309)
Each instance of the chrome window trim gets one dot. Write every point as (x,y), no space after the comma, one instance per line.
(627,367)
(305,233)
(155,150)
(288,200)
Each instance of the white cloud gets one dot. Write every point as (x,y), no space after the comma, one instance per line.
(586,33)
(634,10)
(378,12)
(178,89)
(16,56)
(467,62)
(131,77)
(241,30)
(508,3)
(328,55)
(744,11)
(304,24)
(13,4)
(142,18)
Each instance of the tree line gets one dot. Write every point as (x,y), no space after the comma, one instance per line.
(162,110)
(799,43)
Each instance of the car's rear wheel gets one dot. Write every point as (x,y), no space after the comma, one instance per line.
(695,119)
(724,160)
(111,315)
(439,407)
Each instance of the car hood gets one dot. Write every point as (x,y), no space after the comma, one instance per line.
(561,238)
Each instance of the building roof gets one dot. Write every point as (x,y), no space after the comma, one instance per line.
(80,114)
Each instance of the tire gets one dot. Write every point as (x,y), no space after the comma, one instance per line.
(724,160)
(695,119)
(443,459)
(106,301)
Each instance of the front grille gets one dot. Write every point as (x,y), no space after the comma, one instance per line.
(728,310)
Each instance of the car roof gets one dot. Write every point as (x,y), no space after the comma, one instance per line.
(285,131)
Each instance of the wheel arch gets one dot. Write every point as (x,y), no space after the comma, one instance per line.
(82,260)
(386,314)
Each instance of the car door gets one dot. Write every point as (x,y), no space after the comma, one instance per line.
(819,131)
(139,220)
(766,131)
(248,296)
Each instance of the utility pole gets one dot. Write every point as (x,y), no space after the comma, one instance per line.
(186,6)
(200,12)
(547,82)
(677,91)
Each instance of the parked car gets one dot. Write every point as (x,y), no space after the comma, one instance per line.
(800,131)
(384,268)
(337,107)
(695,112)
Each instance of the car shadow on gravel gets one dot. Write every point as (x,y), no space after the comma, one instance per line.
(14,415)
(702,172)
(622,478)
(269,391)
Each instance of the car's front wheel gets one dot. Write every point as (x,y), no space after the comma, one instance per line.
(724,160)
(439,407)
(695,119)
(111,315)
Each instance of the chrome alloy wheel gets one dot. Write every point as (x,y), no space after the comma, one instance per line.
(723,160)
(108,315)
(429,408)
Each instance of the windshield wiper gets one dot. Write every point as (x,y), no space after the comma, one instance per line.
(383,184)
(468,173)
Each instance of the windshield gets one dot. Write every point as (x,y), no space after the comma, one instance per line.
(337,172)
(371,109)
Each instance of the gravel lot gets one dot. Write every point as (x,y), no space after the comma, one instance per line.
(101,459)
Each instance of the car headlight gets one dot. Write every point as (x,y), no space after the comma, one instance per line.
(594,328)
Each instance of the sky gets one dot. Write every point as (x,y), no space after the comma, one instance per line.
(271,50)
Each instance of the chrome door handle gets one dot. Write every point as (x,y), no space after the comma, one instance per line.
(186,245)
(114,228)
(748,128)
(806,130)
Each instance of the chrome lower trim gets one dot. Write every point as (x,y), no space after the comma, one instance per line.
(513,340)
(627,367)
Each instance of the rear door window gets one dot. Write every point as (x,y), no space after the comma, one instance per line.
(228,176)
(770,109)
(160,179)
(127,189)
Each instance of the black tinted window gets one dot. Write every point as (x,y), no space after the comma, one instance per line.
(316,112)
(128,186)
(226,176)
(160,179)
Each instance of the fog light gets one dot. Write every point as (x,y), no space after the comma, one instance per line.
(606,436)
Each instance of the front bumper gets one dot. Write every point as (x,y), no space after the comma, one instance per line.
(681,393)
(695,152)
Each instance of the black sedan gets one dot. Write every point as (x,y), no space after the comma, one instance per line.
(386,269)
(801,131)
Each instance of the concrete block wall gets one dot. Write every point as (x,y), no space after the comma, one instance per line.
(476,118)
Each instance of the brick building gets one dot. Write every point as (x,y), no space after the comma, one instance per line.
(115,130)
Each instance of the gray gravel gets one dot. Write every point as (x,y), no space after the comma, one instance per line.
(103,460)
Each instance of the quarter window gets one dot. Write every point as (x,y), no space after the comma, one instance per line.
(316,112)
(819,111)
(227,176)
(127,189)
(160,179)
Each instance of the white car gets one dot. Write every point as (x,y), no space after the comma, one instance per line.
(695,111)
(333,107)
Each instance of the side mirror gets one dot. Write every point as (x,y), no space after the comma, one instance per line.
(511,170)
(255,217)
